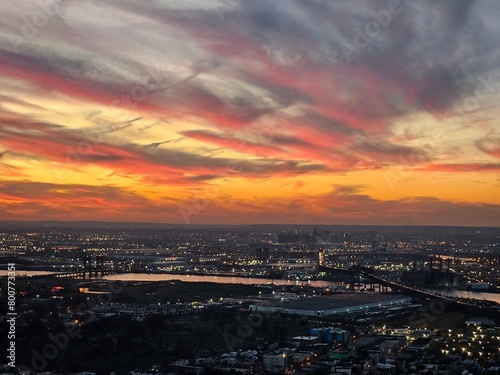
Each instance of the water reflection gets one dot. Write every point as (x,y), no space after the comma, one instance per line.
(251,280)
(217,279)
(468,294)
(22,273)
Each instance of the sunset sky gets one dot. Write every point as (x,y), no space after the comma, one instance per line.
(250,111)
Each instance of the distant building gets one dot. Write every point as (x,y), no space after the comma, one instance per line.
(262,253)
(331,334)
(420,344)
(480,321)
(417,278)
(335,304)
(308,340)
(276,360)
(479,286)
(233,370)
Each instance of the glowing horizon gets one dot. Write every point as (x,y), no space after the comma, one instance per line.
(234,112)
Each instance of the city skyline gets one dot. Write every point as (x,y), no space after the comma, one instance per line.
(237,112)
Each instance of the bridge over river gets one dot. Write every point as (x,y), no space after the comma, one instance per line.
(371,278)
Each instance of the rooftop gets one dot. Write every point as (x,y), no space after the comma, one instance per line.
(480,321)
(340,300)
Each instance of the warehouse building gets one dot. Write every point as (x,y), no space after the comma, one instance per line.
(342,303)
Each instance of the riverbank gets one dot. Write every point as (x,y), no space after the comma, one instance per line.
(465,288)
(468,294)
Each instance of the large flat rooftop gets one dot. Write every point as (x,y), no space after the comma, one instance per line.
(336,301)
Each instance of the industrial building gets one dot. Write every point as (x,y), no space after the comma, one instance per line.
(277,360)
(341,303)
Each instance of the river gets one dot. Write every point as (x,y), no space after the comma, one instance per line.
(189,278)
(469,294)
(252,280)
(22,273)
(217,279)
